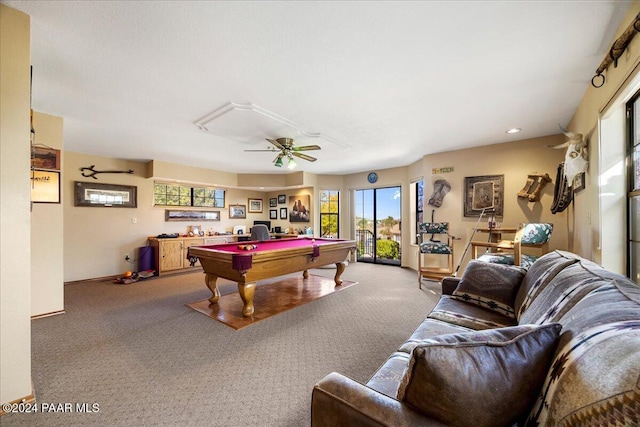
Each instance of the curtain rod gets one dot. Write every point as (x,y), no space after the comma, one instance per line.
(616,51)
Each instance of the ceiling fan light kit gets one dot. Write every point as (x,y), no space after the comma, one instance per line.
(288,150)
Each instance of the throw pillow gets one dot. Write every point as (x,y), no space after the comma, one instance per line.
(492,286)
(483,378)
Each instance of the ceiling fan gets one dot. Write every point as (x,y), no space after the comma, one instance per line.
(288,151)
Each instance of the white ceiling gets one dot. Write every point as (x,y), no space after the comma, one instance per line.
(375,84)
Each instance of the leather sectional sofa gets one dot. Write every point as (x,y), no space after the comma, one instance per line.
(555,345)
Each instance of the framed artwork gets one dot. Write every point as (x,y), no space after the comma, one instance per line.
(237,211)
(273,202)
(283,213)
(92,194)
(299,208)
(45,186)
(282,199)
(45,158)
(484,193)
(273,214)
(255,205)
(177,215)
(579,182)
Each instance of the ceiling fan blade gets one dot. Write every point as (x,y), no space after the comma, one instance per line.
(270,151)
(306,148)
(304,156)
(276,143)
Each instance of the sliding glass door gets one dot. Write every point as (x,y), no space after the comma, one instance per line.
(377,225)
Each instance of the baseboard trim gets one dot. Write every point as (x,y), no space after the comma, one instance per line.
(96,279)
(29,400)
(53,313)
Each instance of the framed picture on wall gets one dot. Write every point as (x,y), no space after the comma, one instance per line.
(45,186)
(299,208)
(93,194)
(484,193)
(237,211)
(255,205)
(273,202)
(45,158)
(273,214)
(282,199)
(283,213)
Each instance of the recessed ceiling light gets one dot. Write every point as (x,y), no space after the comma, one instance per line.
(514,130)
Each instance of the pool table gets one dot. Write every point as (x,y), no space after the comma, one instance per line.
(270,258)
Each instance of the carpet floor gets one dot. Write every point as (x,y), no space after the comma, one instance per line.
(141,357)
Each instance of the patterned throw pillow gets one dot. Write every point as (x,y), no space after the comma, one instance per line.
(483,378)
(492,286)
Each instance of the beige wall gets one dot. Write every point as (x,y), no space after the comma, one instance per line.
(514,160)
(96,239)
(15,233)
(586,238)
(47,256)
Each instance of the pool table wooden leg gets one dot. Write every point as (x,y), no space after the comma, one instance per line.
(211,281)
(246,291)
(340,266)
(305,274)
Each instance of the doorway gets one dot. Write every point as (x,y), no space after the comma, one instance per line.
(378,225)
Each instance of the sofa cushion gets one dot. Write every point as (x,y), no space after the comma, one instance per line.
(461,313)
(539,275)
(430,328)
(565,290)
(492,286)
(482,378)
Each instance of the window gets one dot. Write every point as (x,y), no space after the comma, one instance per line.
(208,197)
(419,205)
(633,194)
(330,213)
(180,195)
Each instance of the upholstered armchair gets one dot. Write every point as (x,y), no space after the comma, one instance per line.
(431,245)
(531,235)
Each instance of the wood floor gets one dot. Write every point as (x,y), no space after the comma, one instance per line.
(269,300)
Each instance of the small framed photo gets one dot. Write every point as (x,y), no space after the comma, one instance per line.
(255,205)
(45,158)
(195,230)
(579,182)
(45,186)
(237,211)
(273,214)
(282,199)
(273,202)
(283,213)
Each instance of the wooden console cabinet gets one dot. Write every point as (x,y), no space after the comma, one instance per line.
(171,254)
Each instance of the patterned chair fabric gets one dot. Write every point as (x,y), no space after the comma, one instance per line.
(430,244)
(536,234)
(533,234)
